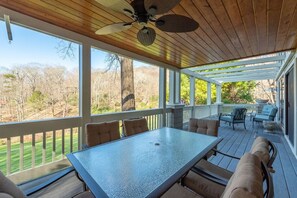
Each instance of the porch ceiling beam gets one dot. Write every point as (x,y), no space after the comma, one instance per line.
(244,68)
(238,63)
(196,75)
(249,76)
(246,79)
(245,73)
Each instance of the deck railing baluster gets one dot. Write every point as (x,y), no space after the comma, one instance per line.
(71,140)
(63,143)
(43,147)
(54,146)
(33,150)
(8,157)
(21,152)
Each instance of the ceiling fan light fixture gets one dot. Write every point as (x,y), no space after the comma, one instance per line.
(152,10)
(146,36)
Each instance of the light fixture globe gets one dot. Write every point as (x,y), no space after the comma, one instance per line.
(146,36)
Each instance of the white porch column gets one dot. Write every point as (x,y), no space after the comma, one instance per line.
(84,88)
(219,94)
(162,94)
(192,95)
(208,93)
(277,98)
(174,87)
(177,86)
(295,105)
(171,87)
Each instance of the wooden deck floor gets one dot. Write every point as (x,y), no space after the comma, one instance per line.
(240,141)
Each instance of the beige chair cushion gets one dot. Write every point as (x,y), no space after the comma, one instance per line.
(178,191)
(247,180)
(217,170)
(132,127)
(203,186)
(8,189)
(98,133)
(208,127)
(260,148)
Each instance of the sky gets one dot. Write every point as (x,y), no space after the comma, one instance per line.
(29,46)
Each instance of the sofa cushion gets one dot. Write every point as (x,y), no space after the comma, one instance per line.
(247,180)
(208,127)
(8,188)
(261,117)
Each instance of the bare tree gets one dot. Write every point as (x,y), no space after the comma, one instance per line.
(127,79)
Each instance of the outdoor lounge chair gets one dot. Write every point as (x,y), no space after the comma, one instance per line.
(55,186)
(135,126)
(261,147)
(250,179)
(98,133)
(237,116)
(268,114)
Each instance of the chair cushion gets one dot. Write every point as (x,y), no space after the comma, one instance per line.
(247,180)
(261,117)
(208,127)
(266,110)
(260,148)
(226,118)
(203,186)
(135,126)
(179,191)
(98,133)
(217,170)
(8,188)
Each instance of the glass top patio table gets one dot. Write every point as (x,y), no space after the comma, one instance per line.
(143,165)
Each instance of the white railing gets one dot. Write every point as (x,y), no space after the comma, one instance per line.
(227,108)
(201,111)
(27,145)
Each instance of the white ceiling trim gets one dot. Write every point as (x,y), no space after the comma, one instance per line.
(240,63)
(244,68)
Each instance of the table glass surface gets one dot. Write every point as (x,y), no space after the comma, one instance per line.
(138,165)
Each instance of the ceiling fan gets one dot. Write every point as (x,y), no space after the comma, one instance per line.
(144,11)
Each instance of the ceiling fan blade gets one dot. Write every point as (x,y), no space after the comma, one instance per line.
(113,28)
(176,23)
(146,36)
(155,7)
(118,5)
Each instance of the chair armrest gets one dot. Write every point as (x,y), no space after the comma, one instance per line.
(210,176)
(225,154)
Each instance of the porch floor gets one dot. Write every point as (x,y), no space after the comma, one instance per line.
(239,141)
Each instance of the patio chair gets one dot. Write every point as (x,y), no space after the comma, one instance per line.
(98,133)
(203,126)
(262,148)
(250,179)
(237,116)
(52,187)
(135,126)
(268,114)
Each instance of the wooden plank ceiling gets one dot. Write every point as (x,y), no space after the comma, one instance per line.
(229,29)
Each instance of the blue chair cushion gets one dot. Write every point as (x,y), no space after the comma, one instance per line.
(261,117)
(226,118)
(267,109)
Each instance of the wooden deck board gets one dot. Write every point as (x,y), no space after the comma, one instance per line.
(237,142)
